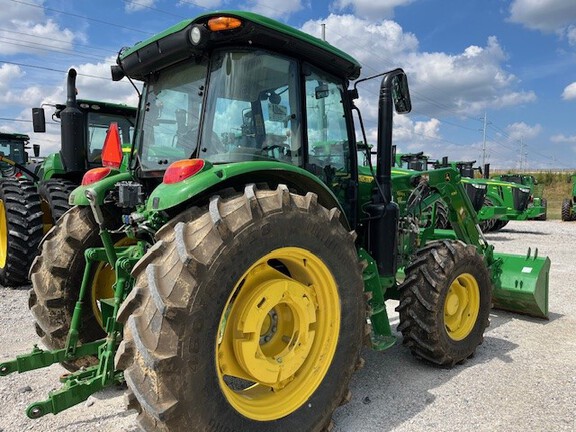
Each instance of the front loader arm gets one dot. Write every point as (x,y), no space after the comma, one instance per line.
(520,283)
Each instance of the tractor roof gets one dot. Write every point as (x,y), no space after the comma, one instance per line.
(101,107)
(174,45)
(14,136)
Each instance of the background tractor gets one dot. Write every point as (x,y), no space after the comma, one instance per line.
(240,258)
(83,126)
(39,197)
(20,216)
(537,205)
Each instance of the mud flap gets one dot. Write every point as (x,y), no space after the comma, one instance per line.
(521,284)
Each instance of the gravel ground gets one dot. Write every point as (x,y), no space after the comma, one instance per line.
(522,378)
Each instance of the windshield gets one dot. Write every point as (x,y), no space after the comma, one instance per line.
(98,124)
(13,150)
(250,111)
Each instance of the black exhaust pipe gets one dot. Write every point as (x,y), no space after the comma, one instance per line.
(384,213)
(74,139)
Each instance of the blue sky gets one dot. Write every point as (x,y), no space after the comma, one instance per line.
(511,60)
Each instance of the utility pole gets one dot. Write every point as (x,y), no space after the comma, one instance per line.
(323,32)
(484,141)
(521,155)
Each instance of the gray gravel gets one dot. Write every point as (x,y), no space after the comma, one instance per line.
(522,378)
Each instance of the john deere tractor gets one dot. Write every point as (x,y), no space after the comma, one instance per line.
(20,216)
(35,201)
(537,205)
(231,269)
(83,126)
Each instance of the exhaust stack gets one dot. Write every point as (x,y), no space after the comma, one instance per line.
(74,140)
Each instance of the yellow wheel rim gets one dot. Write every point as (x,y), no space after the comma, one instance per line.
(278,334)
(3,235)
(103,283)
(461,306)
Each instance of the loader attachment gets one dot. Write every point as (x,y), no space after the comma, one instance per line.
(521,283)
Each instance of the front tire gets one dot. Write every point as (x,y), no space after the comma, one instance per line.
(20,230)
(250,310)
(445,302)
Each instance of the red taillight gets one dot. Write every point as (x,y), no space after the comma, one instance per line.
(18,174)
(95,174)
(112,150)
(182,169)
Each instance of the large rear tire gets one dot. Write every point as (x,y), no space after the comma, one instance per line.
(445,302)
(567,210)
(20,230)
(54,195)
(56,278)
(251,311)
(543,216)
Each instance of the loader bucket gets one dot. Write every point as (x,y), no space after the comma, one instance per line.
(521,284)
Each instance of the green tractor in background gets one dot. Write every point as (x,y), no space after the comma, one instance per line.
(475,188)
(504,201)
(537,205)
(31,204)
(20,215)
(83,127)
(568,212)
(235,261)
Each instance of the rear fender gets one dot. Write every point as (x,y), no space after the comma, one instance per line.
(173,197)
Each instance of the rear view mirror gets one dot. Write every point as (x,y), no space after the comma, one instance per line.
(38,120)
(322,91)
(401,94)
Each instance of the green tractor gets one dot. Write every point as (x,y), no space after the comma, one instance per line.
(20,215)
(32,203)
(568,212)
(503,201)
(537,205)
(83,127)
(231,269)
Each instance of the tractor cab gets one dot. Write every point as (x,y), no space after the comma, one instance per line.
(13,147)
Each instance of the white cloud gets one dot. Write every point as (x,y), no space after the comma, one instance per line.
(544,15)
(561,138)
(370,8)
(372,44)
(273,8)
(521,130)
(465,83)
(25,29)
(569,92)
(138,5)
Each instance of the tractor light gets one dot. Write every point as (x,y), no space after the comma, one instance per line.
(112,149)
(477,185)
(181,170)
(94,175)
(223,23)
(197,35)
(525,190)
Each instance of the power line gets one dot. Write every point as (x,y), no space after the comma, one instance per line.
(81,16)
(57,70)
(37,46)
